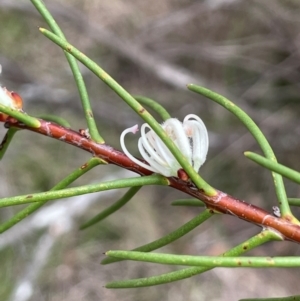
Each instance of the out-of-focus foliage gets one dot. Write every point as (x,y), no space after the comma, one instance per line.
(246,50)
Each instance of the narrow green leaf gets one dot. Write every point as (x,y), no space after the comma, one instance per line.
(248,245)
(62,184)
(136,106)
(274,166)
(6,141)
(113,208)
(208,261)
(155,106)
(69,192)
(167,239)
(53,118)
(20,116)
(294,201)
(290,298)
(41,8)
(258,136)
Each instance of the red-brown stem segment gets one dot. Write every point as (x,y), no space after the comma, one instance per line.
(221,202)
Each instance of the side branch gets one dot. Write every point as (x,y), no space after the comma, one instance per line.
(221,202)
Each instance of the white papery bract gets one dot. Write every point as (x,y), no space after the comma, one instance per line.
(190,136)
(5,99)
(10,99)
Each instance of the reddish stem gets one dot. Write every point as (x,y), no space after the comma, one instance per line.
(221,202)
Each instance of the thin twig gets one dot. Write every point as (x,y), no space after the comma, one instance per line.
(221,202)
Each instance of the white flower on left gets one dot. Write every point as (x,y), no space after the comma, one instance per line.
(5,99)
(9,99)
(190,136)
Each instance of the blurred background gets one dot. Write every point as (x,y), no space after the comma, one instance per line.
(246,50)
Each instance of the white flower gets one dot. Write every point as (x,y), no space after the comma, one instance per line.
(5,99)
(190,137)
(10,99)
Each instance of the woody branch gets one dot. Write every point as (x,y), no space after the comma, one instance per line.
(221,202)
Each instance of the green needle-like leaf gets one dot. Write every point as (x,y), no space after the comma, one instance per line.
(62,184)
(113,208)
(274,166)
(53,118)
(208,261)
(258,136)
(20,116)
(136,106)
(155,106)
(173,236)
(69,192)
(294,201)
(6,141)
(40,6)
(248,245)
(290,298)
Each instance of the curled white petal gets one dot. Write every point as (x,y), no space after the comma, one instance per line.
(163,150)
(196,129)
(133,130)
(175,131)
(148,146)
(158,168)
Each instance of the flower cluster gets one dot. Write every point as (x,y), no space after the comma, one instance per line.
(190,136)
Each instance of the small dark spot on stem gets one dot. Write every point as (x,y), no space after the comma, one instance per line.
(142,111)
(245,247)
(239,263)
(29,196)
(69,48)
(288,218)
(90,114)
(84,166)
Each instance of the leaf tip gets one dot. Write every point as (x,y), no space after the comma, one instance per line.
(247,153)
